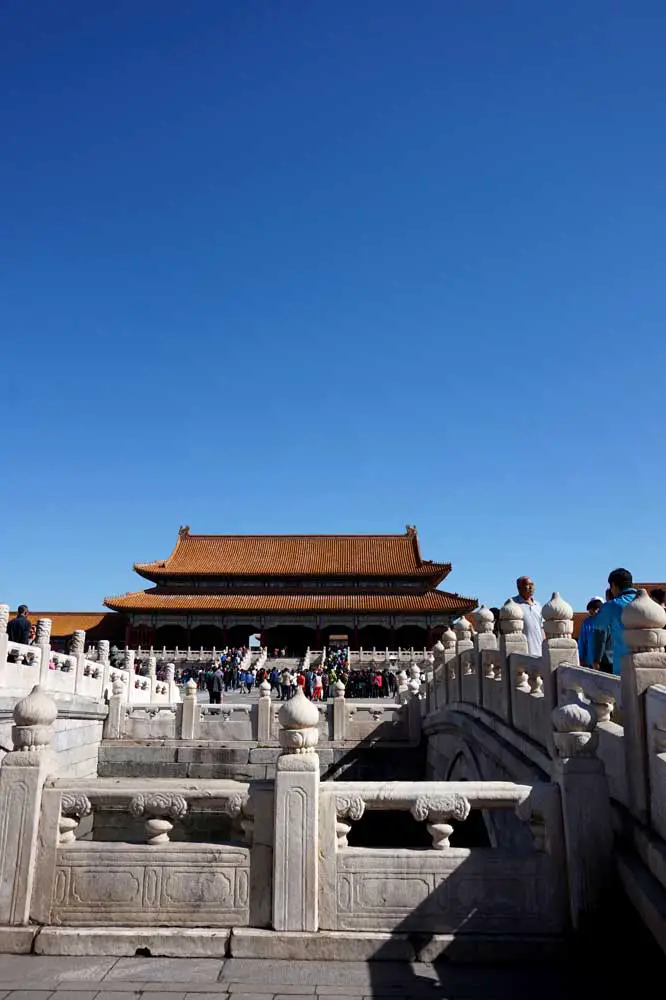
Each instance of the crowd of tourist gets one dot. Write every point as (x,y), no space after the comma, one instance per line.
(601,646)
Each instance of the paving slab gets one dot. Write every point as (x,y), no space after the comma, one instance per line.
(282,973)
(204,996)
(157,970)
(324,946)
(30,994)
(167,942)
(24,971)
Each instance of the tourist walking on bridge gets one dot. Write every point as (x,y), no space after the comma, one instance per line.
(609,618)
(586,634)
(532,616)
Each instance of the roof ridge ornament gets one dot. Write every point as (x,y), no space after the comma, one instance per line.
(183,531)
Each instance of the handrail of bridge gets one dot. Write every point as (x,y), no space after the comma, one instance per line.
(554,710)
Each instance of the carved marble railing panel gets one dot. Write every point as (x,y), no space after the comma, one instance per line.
(123,677)
(93,880)
(386,722)
(470,676)
(188,885)
(494,686)
(532,696)
(150,722)
(91,680)
(228,722)
(62,674)
(452,674)
(160,692)
(600,690)
(443,889)
(140,691)
(478,890)
(21,670)
(655,727)
(602,693)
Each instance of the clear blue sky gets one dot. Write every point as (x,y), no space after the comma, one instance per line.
(288,266)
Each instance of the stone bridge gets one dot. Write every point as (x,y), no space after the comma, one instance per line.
(494,713)
(537,804)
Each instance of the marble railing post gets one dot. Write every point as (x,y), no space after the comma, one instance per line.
(464,644)
(174,693)
(114,724)
(4,619)
(296,830)
(43,640)
(437,666)
(413,709)
(129,657)
(103,652)
(483,638)
(512,640)
(103,658)
(77,648)
(644,622)
(339,711)
(189,713)
(264,713)
(586,812)
(558,647)
(22,776)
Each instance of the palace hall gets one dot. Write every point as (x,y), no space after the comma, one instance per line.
(294,591)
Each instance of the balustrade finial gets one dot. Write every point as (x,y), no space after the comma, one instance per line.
(299,721)
(449,639)
(644,624)
(34,716)
(264,689)
(484,619)
(574,727)
(557,618)
(511,618)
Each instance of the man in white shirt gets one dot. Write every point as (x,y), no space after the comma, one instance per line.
(532,616)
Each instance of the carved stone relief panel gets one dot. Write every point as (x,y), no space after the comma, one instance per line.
(188,885)
(480,890)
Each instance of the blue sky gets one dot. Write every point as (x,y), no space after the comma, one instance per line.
(288,266)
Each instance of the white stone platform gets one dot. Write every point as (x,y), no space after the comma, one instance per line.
(43,978)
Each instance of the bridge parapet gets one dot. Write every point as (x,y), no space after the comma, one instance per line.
(614,721)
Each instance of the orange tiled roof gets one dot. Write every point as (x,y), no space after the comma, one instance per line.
(66,622)
(295,555)
(154,600)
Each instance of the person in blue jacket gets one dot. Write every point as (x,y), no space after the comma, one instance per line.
(609,618)
(586,634)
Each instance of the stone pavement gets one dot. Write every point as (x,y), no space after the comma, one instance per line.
(32,977)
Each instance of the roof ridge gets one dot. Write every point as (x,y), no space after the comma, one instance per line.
(291,534)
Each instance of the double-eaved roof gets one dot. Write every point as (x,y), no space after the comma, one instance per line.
(294,555)
(291,558)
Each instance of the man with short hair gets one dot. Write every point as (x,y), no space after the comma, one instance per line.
(609,618)
(532,617)
(586,634)
(18,629)
(217,686)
